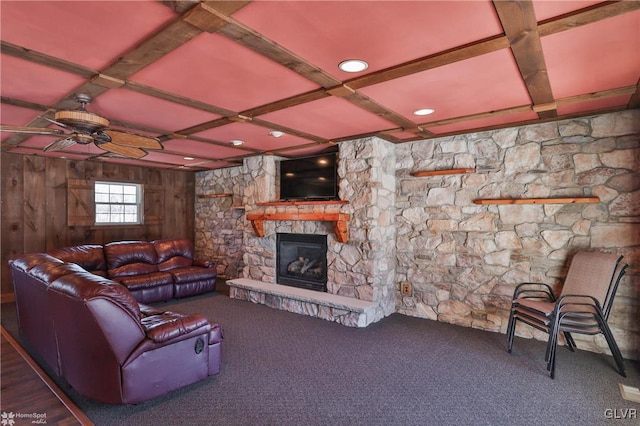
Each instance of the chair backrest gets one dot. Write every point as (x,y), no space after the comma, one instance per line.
(595,274)
(613,288)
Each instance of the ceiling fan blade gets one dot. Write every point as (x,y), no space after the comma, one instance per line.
(133,140)
(57,123)
(126,151)
(60,144)
(30,130)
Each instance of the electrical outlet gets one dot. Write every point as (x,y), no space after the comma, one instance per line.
(406,289)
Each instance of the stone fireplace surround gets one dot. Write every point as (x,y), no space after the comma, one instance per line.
(361,270)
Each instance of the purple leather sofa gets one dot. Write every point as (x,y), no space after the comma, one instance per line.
(152,271)
(92,331)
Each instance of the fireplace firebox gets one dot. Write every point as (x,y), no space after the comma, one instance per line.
(301,261)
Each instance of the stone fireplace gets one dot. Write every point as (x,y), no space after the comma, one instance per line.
(360,268)
(301,260)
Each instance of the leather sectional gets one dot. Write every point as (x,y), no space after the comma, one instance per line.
(82,310)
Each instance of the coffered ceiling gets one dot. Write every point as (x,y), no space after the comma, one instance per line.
(199,75)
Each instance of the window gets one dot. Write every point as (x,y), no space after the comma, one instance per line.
(118,203)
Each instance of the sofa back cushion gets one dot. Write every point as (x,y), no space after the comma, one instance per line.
(126,258)
(89,256)
(27,261)
(173,254)
(86,286)
(51,271)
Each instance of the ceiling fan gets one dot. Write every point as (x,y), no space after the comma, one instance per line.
(87,127)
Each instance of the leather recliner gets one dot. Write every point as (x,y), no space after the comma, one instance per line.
(92,332)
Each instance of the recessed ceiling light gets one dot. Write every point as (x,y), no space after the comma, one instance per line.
(236,142)
(276,133)
(188,158)
(353,65)
(424,111)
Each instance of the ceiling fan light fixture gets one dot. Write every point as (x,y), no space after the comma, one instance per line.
(424,111)
(236,142)
(353,65)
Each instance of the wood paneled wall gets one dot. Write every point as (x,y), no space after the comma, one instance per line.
(34,205)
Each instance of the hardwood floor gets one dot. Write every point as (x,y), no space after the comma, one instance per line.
(29,396)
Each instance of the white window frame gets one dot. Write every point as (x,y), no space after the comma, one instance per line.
(114,203)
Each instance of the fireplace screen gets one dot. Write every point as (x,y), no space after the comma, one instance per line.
(302,261)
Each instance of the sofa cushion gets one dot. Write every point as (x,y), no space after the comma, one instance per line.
(169,325)
(27,261)
(89,256)
(85,285)
(192,273)
(51,271)
(126,258)
(137,282)
(173,253)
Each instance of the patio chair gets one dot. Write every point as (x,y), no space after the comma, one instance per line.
(583,306)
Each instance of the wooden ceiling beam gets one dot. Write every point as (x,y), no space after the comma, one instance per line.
(519,22)
(46,60)
(314,95)
(169,38)
(467,51)
(634,102)
(171,97)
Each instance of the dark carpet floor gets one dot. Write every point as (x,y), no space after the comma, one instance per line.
(281,368)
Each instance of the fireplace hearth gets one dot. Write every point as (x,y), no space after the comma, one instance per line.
(302,261)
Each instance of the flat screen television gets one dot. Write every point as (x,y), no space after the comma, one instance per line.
(309,178)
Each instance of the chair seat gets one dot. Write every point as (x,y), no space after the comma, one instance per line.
(538,306)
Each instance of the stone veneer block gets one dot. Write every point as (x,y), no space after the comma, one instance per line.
(358,313)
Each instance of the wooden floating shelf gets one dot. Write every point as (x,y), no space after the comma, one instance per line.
(214,195)
(339,221)
(302,203)
(568,200)
(442,172)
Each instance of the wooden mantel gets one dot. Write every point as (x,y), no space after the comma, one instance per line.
(339,221)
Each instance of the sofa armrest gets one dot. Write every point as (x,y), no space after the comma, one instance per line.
(168,325)
(203,263)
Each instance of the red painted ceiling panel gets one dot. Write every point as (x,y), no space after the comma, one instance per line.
(93,35)
(604,55)
(255,137)
(228,69)
(33,82)
(382,33)
(10,114)
(305,151)
(485,83)
(593,105)
(133,107)
(484,122)
(201,149)
(546,9)
(329,118)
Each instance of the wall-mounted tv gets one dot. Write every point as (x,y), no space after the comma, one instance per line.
(309,178)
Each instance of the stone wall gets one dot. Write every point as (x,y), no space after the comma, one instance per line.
(464,260)
(219,222)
